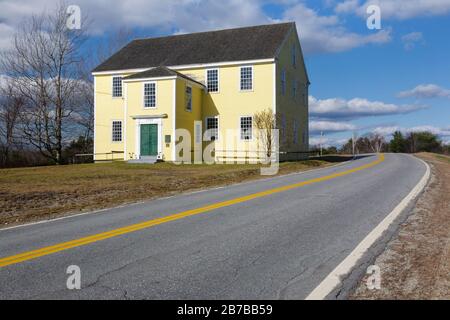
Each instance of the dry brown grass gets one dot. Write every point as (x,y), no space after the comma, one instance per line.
(416,263)
(30,194)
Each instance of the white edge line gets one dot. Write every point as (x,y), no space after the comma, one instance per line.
(167,197)
(334,278)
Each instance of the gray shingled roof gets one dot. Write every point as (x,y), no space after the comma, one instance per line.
(249,43)
(160,71)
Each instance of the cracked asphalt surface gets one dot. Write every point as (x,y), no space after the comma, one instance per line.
(280,246)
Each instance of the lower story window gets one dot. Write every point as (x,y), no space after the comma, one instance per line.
(212,128)
(246,128)
(295,133)
(117,131)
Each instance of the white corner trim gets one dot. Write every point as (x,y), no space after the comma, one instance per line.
(334,278)
(95,107)
(274,102)
(174,111)
(125,111)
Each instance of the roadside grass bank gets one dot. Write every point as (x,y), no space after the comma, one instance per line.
(416,262)
(33,194)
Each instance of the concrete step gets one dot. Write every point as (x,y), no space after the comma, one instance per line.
(144,159)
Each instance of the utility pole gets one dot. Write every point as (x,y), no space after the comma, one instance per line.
(321,142)
(353,143)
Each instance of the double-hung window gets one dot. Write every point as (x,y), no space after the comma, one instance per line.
(188,98)
(294,88)
(283,82)
(150,95)
(294,55)
(246,81)
(117,131)
(212,128)
(246,128)
(212,80)
(116,87)
(295,132)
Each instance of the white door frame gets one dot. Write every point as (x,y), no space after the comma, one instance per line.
(139,122)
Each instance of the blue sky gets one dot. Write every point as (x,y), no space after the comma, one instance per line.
(396,78)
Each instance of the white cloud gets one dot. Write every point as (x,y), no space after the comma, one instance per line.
(329,126)
(6,33)
(410,40)
(167,16)
(425,91)
(347,6)
(355,108)
(327,34)
(319,33)
(399,9)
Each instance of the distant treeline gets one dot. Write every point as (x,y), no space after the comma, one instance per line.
(410,143)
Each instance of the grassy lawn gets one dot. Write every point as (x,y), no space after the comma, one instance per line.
(30,194)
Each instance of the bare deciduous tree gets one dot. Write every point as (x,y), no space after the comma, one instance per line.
(376,142)
(265,122)
(11,104)
(43,65)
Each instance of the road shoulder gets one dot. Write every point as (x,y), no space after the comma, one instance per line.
(415,262)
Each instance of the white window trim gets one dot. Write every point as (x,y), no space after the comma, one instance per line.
(143,95)
(185,100)
(240,129)
(253,79)
(112,86)
(218,128)
(112,131)
(218,80)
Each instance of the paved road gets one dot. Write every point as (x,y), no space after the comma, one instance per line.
(280,246)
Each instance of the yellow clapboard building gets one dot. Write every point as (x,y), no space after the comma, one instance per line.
(207,83)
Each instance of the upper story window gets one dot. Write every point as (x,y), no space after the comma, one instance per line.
(188,98)
(150,95)
(246,128)
(212,128)
(212,80)
(294,55)
(116,87)
(246,79)
(283,82)
(117,131)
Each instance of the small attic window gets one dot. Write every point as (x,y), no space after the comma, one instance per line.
(294,56)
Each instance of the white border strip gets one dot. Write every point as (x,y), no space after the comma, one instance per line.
(334,278)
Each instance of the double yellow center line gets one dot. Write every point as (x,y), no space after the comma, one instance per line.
(29,255)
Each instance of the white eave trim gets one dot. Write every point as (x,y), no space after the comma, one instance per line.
(219,64)
(150,79)
(188,66)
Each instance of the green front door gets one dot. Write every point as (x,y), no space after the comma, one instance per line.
(149,139)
